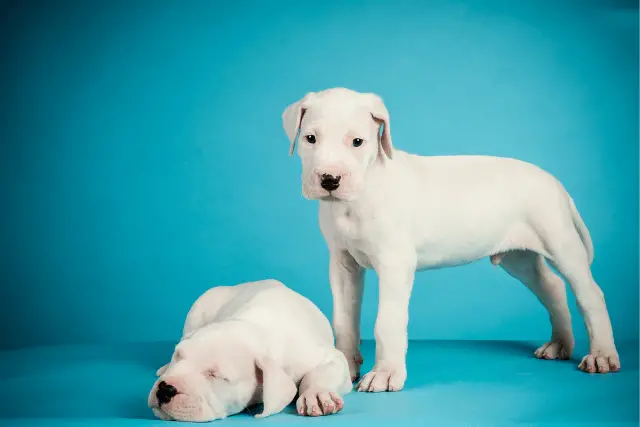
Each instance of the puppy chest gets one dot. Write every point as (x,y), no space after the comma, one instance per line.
(348,226)
(355,238)
(360,223)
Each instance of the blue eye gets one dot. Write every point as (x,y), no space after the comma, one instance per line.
(357,142)
(311,139)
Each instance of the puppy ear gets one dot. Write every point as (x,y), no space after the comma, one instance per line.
(174,358)
(381,115)
(162,370)
(292,118)
(278,389)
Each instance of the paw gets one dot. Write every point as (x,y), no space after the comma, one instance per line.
(600,362)
(383,379)
(554,350)
(316,403)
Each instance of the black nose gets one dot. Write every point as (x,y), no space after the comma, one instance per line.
(165,392)
(329,182)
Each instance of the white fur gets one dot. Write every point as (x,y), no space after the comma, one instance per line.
(251,343)
(397,213)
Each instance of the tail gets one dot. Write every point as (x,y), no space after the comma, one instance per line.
(582,230)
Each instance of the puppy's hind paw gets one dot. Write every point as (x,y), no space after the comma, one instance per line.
(382,380)
(554,350)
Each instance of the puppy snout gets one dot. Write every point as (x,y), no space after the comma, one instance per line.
(329,182)
(165,392)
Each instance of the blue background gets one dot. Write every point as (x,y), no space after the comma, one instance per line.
(143,158)
(142,161)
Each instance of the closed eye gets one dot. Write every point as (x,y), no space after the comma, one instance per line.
(216,375)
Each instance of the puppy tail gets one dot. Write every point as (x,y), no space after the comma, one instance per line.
(582,230)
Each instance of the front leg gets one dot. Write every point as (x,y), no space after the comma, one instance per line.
(322,388)
(395,276)
(347,283)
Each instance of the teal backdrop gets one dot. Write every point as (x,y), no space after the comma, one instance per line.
(142,158)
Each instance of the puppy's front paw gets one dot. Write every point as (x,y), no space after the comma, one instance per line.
(316,403)
(383,379)
(600,362)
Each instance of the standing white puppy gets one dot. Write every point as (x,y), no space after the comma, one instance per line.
(251,343)
(395,212)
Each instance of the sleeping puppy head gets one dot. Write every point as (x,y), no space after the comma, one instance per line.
(213,375)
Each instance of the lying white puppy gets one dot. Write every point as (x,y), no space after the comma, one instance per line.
(397,213)
(251,343)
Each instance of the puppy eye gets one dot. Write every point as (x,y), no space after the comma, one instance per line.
(357,142)
(311,139)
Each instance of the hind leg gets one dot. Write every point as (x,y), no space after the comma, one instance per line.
(532,270)
(571,259)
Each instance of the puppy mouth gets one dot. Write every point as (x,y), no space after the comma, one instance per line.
(338,196)
(312,192)
(330,197)
(161,414)
(193,409)
(324,194)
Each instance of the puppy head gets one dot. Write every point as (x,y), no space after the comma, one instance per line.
(211,376)
(340,134)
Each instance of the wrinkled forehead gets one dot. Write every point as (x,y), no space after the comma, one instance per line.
(212,352)
(337,117)
(337,109)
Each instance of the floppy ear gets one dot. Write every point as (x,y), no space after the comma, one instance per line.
(380,114)
(174,357)
(162,370)
(292,117)
(278,389)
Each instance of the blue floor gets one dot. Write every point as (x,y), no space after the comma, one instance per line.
(450,383)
